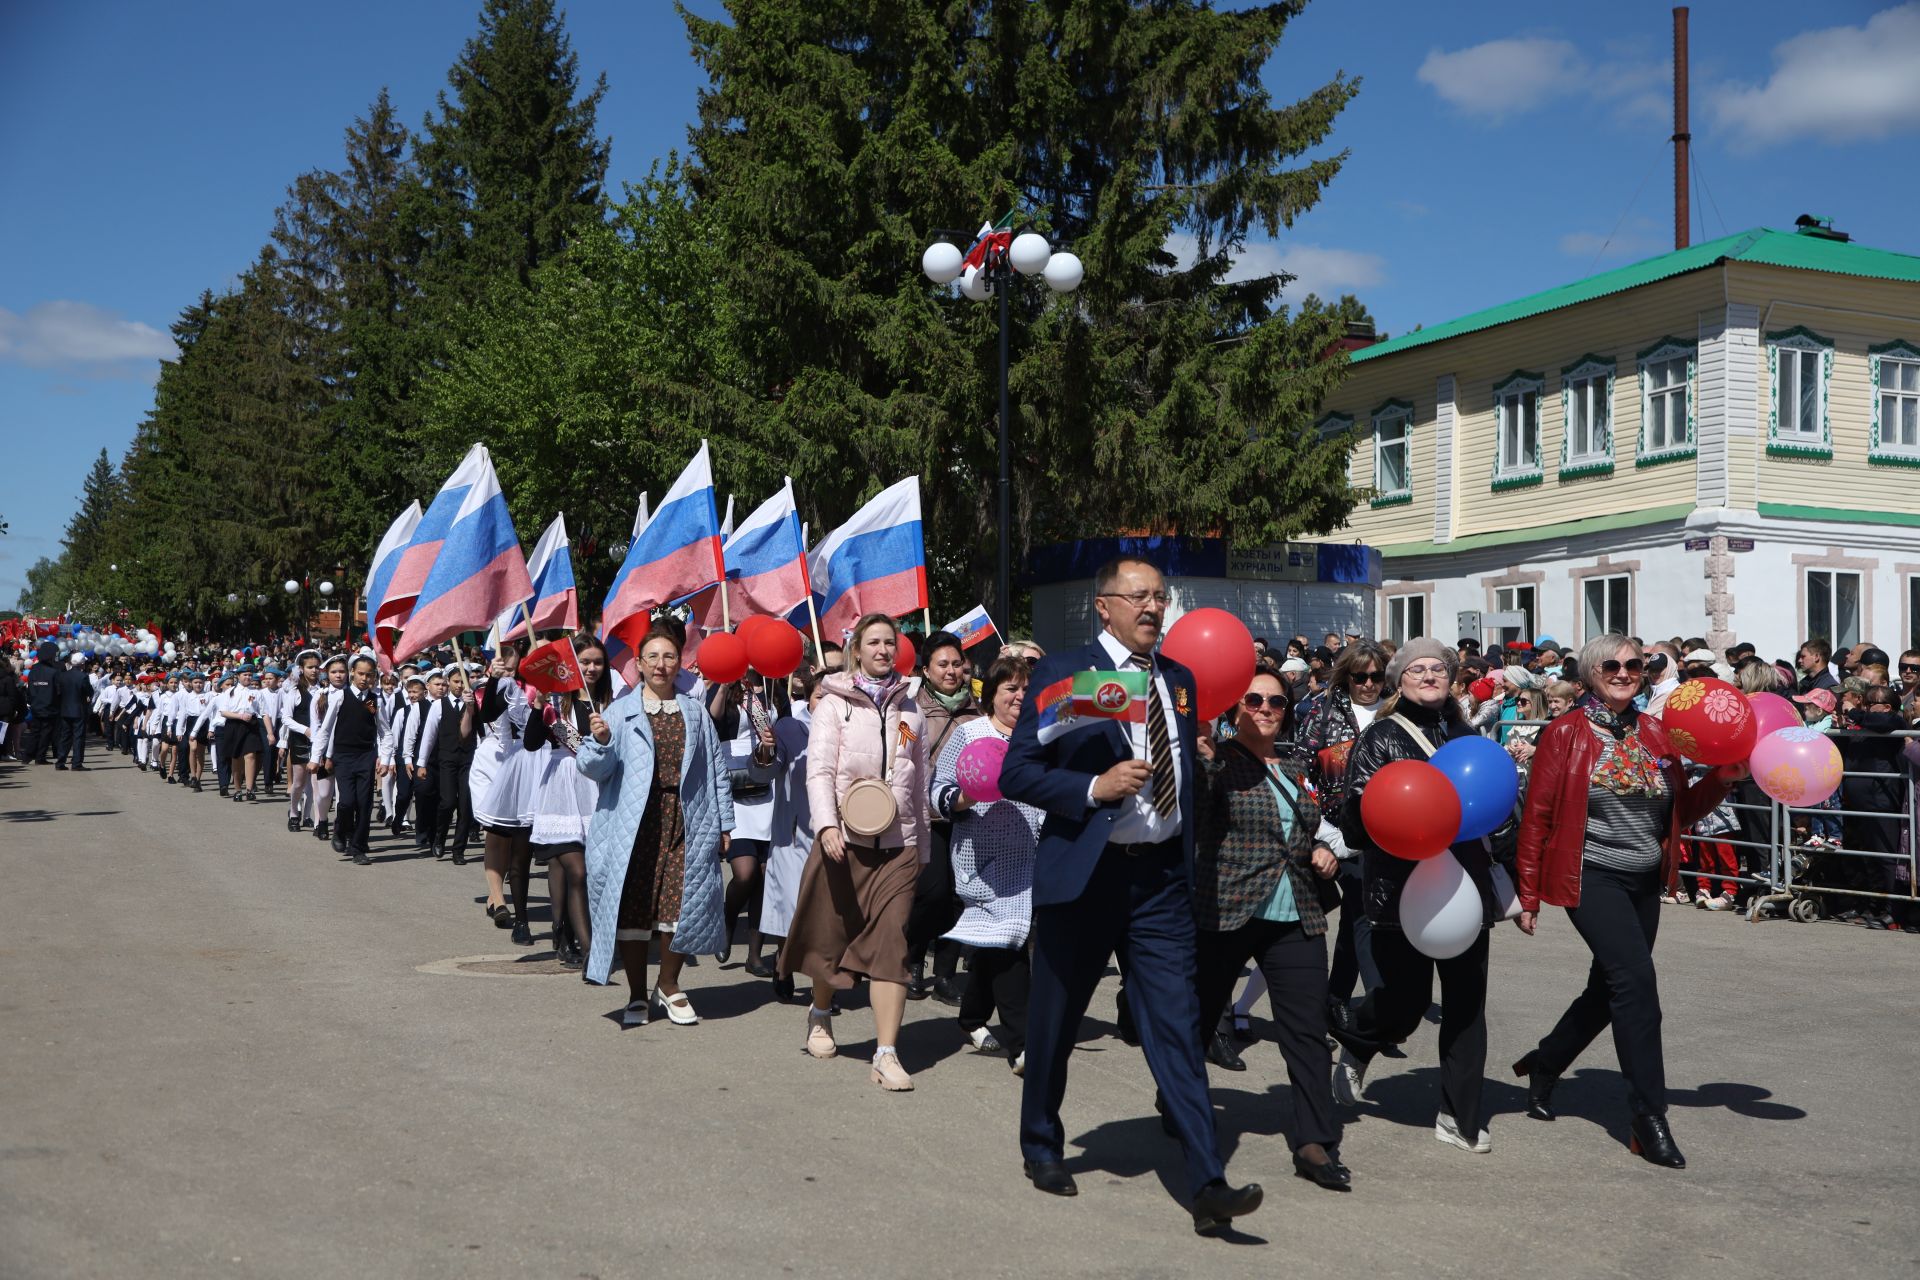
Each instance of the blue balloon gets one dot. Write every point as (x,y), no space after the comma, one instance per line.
(1486,778)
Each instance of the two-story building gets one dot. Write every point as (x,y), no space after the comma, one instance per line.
(1723,441)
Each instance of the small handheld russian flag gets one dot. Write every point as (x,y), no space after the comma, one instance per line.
(972,627)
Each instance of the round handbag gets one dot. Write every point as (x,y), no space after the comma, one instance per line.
(868,808)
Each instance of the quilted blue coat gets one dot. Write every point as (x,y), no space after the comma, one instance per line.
(624,770)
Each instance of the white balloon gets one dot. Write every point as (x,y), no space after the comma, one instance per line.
(1029,253)
(1440,908)
(973,283)
(1063,273)
(941,262)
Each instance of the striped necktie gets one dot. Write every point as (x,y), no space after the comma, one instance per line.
(1166,796)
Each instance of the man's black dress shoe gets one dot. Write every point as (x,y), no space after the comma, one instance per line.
(1221,1053)
(1050,1176)
(1540,1084)
(1218,1204)
(361,859)
(1329,1173)
(339,845)
(1123,1022)
(919,985)
(1653,1142)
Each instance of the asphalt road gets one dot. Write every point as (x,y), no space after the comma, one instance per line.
(224,1051)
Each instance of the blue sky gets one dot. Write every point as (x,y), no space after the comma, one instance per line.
(1498,149)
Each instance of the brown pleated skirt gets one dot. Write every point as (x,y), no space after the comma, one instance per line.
(850,917)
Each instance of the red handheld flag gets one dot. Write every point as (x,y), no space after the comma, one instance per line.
(552,668)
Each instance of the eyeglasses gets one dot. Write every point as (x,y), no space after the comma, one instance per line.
(1910,668)
(1139,599)
(1429,669)
(1272,701)
(1368,677)
(1613,667)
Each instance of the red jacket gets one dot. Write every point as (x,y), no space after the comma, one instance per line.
(1553,826)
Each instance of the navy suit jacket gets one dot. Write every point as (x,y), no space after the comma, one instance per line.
(1054,776)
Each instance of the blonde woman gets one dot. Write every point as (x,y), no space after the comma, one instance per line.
(850,916)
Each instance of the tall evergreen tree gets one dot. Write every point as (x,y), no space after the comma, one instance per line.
(102,494)
(837,135)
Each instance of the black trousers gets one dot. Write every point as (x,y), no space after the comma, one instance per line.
(1353,944)
(37,739)
(1392,1013)
(935,905)
(456,806)
(1618,916)
(1295,967)
(71,747)
(223,755)
(402,795)
(353,784)
(999,978)
(424,795)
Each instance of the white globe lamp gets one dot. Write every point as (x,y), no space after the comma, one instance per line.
(326,588)
(941,262)
(1029,253)
(1063,273)
(290,586)
(974,284)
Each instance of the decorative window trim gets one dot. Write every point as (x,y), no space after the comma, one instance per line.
(1887,455)
(1600,461)
(1391,410)
(1668,348)
(1332,426)
(1505,478)
(1797,444)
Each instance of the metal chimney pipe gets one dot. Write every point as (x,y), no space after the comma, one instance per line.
(1682,139)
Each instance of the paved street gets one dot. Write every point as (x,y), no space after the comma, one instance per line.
(227,1052)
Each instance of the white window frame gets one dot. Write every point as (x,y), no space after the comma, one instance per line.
(1587,386)
(1396,416)
(1892,357)
(1607,622)
(1799,350)
(1337,425)
(1515,401)
(1399,610)
(1835,635)
(1507,600)
(1667,351)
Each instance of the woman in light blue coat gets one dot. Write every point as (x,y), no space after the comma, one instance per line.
(659,832)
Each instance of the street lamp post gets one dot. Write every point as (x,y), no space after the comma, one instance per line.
(987,270)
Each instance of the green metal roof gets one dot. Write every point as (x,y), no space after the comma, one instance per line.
(1761,245)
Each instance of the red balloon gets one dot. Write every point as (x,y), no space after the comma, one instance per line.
(722,658)
(748,626)
(1411,810)
(1711,722)
(905,656)
(774,649)
(1218,649)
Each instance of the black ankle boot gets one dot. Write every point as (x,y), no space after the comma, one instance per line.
(1653,1142)
(919,986)
(1540,1084)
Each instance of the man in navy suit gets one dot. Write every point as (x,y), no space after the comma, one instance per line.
(1112,874)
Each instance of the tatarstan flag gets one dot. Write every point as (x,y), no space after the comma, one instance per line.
(1092,695)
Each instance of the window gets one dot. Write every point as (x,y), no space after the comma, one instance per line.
(1894,371)
(1407,617)
(1339,426)
(1833,607)
(1516,600)
(1913,612)
(1604,606)
(1393,453)
(1586,403)
(1516,405)
(1799,362)
(1666,402)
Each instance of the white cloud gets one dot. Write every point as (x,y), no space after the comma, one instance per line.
(1317,268)
(1501,77)
(1838,84)
(65,334)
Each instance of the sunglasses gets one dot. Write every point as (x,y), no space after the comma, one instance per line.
(1272,701)
(1613,667)
(1910,668)
(1369,677)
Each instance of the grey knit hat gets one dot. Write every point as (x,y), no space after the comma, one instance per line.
(1414,650)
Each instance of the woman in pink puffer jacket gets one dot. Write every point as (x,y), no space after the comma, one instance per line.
(850,915)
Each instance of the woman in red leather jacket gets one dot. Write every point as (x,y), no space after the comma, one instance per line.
(1599,836)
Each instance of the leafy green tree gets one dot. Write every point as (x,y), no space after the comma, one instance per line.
(837,135)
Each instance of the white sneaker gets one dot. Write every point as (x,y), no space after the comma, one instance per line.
(983,1040)
(1349,1079)
(1715,904)
(636,1015)
(1020,1064)
(1447,1130)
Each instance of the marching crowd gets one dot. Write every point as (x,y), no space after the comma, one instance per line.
(837,814)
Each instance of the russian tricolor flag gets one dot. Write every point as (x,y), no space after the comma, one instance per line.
(478,569)
(555,604)
(675,556)
(387,598)
(766,561)
(874,563)
(972,626)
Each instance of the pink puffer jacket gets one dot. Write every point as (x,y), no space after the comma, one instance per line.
(845,745)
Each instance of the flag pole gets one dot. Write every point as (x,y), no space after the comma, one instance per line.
(819,649)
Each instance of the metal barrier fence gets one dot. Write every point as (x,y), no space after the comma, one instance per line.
(1789,871)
